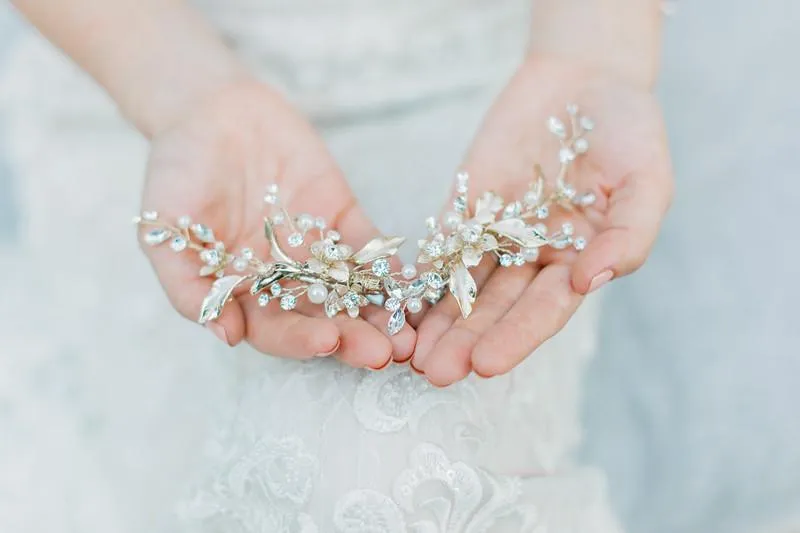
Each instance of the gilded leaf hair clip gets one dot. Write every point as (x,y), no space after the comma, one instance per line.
(343,279)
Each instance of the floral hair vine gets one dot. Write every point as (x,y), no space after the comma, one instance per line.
(343,279)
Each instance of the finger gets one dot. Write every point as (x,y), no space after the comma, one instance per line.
(403,342)
(287,333)
(362,346)
(450,359)
(442,316)
(178,275)
(635,212)
(542,310)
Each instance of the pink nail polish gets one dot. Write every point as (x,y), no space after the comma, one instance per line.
(599,280)
(219,331)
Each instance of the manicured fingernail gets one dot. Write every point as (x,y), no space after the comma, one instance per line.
(384,365)
(599,280)
(219,331)
(332,351)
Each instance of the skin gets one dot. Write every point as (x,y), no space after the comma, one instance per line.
(219,138)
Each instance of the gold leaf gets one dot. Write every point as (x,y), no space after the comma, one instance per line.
(275,247)
(516,230)
(487,206)
(463,287)
(218,296)
(377,248)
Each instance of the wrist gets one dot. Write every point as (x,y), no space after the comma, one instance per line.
(620,38)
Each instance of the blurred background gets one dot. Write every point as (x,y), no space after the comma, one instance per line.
(692,405)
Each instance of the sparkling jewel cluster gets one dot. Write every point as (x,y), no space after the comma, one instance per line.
(340,278)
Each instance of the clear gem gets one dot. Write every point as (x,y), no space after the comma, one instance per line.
(136,220)
(556,127)
(561,242)
(460,204)
(240,264)
(351,300)
(288,302)
(580,243)
(452,220)
(320,223)
(210,257)
(263,299)
(295,240)
(434,248)
(431,225)
(381,267)
(278,219)
(567,228)
(587,123)
(565,155)
(531,198)
(271,199)
(572,109)
(409,271)
(519,260)
(150,216)
(203,232)
(435,280)
(305,222)
(512,210)
(568,191)
(272,188)
(581,146)
(184,222)
(333,235)
(157,236)
(275,289)
(462,177)
(415,288)
(178,244)
(588,199)
(396,322)
(506,260)
(433,296)
(392,304)
(542,212)
(247,253)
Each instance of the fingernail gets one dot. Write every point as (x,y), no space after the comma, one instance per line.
(219,331)
(332,351)
(384,365)
(599,280)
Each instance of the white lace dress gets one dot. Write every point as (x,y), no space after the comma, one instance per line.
(119,416)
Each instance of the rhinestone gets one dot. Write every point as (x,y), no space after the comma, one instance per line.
(572,109)
(351,300)
(392,304)
(333,235)
(247,253)
(565,155)
(219,246)
(462,177)
(556,127)
(588,199)
(431,225)
(531,198)
(409,271)
(150,216)
(530,254)
(433,296)
(295,240)
(542,212)
(414,305)
(567,228)
(519,260)
(587,123)
(210,257)
(462,188)
(272,188)
(452,220)
(581,146)
(506,260)
(271,199)
(278,219)
(320,223)
(157,236)
(288,302)
(434,249)
(512,210)
(275,289)
(305,222)
(184,222)
(136,220)
(263,299)
(240,264)
(178,244)
(381,267)
(435,280)
(580,243)
(396,322)
(561,242)
(460,204)
(568,191)
(203,232)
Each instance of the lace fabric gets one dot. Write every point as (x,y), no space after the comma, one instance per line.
(132,391)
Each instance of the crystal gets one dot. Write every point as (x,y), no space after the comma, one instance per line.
(542,212)
(409,271)
(263,299)
(157,236)
(435,280)
(531,198)
(556,127)
(392,304)
(247,253)
(519,260)
(506,260)
(203,232)
(530,254)
(434,248)
(567,228)
(184,222)
(351,300)
(431,225)
(136,220)
(288,302)
(333,235)
(587,123)
(587,199)
(414,305)
(178,244)
(568,191)
(396,322)
(565,155)
(462,188)
(150,216)
(305,222)
(452,220)
(220,246)
(581,146)
(580,243)
(462,176)
(320,223)
(317,293)
(271,199)
(278,219)
(272,188)
(240,264)
(561,242)
(460,204)
(275,289)
(572,109)
(380,267)
(512,210)
(295,240)
(433,296)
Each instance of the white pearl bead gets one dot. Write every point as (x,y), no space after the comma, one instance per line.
(414,305)
(317,293)
(409,271)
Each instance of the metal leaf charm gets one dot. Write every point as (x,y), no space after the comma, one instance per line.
(396,321)
(377,248)
(275,248)
(516,230)
(487,206)
(463,287)
(221,291)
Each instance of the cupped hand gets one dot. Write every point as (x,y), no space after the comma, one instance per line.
(627,167)
(215,166)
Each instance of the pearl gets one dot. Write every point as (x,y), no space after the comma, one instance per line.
(317,293)
(409,271)
(414,305)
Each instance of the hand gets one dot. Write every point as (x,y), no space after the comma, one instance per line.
(627,167)
(215,166)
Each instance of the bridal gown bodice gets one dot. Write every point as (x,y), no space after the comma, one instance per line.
(122,416)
